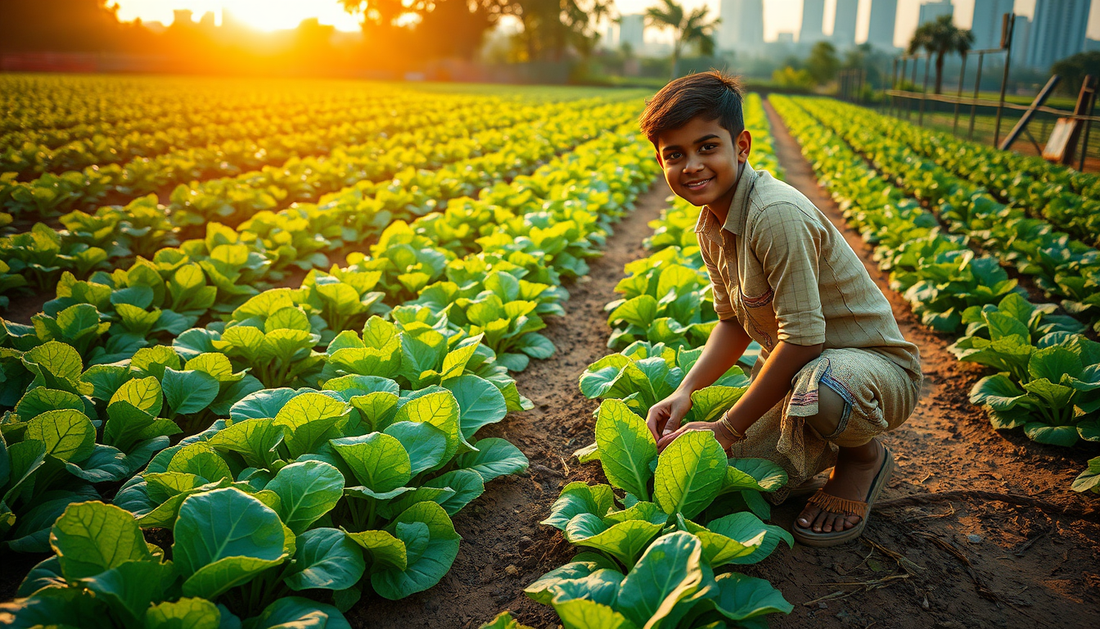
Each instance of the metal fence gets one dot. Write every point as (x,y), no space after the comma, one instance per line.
(984,116)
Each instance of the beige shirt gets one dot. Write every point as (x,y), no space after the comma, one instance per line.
(786,273)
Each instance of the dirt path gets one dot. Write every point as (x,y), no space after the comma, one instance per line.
(964,562)
(504,548)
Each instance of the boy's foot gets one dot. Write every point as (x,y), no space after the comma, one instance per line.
(851,479)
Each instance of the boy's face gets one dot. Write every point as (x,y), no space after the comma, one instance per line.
(701,161)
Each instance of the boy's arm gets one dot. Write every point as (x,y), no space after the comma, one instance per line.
(726,344)
(787,241)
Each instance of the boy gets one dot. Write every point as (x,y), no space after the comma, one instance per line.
(835,370)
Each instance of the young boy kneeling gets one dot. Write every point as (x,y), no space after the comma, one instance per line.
(835,371)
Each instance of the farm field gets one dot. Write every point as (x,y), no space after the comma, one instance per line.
(362,355)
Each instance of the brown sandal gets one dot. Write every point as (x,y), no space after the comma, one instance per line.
(833,504)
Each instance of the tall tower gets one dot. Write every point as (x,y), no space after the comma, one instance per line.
(1057,31)
(932,10)
(813,16)
(844,26)
(632,31)
(742,25)
(987,22)
(884,18)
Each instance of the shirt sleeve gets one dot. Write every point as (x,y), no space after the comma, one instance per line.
(787,241)
(722,306)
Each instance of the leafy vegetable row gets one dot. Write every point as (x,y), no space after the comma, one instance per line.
(269,242)
(1061,267)
(1061,195)
(353,483)
(1047,372)
(33,152)
(294,167)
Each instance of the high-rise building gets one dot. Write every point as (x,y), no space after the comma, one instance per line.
(844,26)
(1057,31)
(632,31)
(884,19)
(1021,37)
(932,10)
(813,17)
(986,24)
(742,25)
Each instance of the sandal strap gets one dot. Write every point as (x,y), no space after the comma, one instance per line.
(834,504)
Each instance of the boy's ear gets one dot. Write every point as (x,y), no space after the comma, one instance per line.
(744,145)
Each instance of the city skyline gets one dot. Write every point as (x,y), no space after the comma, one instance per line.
(779,15)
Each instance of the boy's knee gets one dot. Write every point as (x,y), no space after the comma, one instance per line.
(832,413)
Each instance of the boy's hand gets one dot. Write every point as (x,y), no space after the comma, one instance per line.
(665,416)
(669,437)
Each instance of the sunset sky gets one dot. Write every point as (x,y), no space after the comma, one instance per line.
(779,15)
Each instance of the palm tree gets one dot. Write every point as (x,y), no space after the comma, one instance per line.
(688,28)
(939,38)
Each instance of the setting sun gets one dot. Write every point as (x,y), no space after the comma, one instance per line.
(267,15)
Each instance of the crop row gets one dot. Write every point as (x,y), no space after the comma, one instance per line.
(1065,197)
(34,152)
(1047,373)
(1062,267)
(70,108)
(268,242)
(355,136)
(345,484)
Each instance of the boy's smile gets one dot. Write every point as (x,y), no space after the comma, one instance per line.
(701,162)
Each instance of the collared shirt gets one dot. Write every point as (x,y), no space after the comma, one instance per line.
(785,273)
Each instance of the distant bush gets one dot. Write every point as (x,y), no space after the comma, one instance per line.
(789,77)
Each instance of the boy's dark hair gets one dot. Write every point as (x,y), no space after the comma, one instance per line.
(714,95)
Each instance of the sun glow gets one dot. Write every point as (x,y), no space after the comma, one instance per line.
(266,15)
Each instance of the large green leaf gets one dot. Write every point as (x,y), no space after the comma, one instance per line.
(542,590)
(754,474)
(255,440)
(479,402)
(91,538)
(379,461)
(440,409)
(295,611)
(63,608)
(585,614)
(310,418)
(326,559)
(579,497)
(626,447)
(385,551)
(689,473)
(742,597)
(189,392)
(670,571)
(224,538)
(132,587)
(424,443)
(467,485)
(307,490)
(67,434)
(186,613)
(495,457)
(437,551)
(624,541)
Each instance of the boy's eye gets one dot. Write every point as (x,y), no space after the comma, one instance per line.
(672,156)
(707,147)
